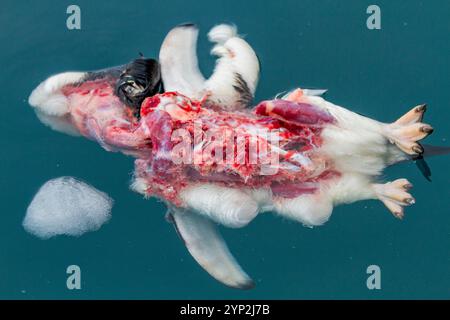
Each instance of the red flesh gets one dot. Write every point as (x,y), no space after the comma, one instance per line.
(98,114)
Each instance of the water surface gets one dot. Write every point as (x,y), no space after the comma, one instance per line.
(321,44)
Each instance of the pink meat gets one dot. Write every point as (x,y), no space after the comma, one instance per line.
(294,112)
(292,189)
(275,145)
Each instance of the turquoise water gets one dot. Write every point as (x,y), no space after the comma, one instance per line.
(380,73)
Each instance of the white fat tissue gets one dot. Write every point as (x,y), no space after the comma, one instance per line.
(67,206)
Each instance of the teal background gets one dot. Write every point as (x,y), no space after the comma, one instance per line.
(307,43)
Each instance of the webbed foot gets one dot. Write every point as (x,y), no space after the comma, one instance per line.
(408,130)
(395,196)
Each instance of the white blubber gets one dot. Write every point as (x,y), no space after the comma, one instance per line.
(67,206)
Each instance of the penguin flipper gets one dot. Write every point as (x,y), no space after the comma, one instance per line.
(178,58)
(208,248)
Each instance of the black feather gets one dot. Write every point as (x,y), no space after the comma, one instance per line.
(241,86)
(140,79)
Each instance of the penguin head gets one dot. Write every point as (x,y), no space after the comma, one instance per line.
(140,79)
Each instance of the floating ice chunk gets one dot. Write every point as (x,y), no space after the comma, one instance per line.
(67,206)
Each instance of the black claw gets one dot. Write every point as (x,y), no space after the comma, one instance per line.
(248,285)
(422,108)
(418,149)
(427,129)
(408,186)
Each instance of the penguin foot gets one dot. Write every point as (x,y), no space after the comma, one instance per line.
(408,130)
(395,196)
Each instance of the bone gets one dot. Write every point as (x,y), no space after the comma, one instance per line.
(315,92)
(294,96)
(298,94)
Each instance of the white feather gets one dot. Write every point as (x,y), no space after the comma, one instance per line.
(355,143)
(139,185)
(263,197)
(236,57)
(60,124)
(47,97)
(315,209)
(231,207)
(309,209)
(222,32)
(350,187)
(179,65)
(359,150)
(180,72)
